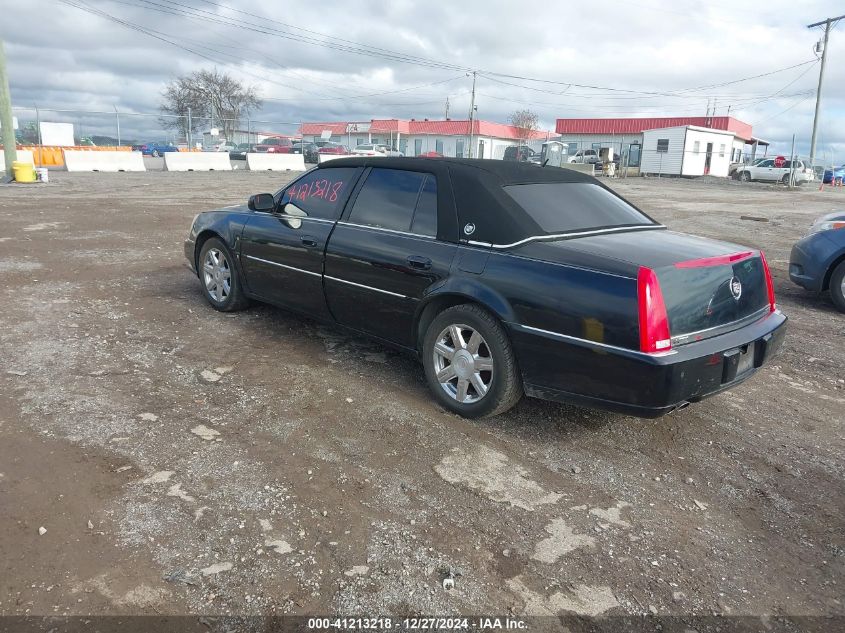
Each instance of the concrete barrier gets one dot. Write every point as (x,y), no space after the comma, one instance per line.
(197,161)
(25,156)
(588,168)
(81,160)
(324,158)
(266,161)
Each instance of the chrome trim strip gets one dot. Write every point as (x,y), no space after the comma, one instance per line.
(560,236)
(595,343)
(378,228)
(735,325)
(352,283)
(267,261)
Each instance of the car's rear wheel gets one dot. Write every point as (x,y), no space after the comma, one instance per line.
(745,176)
(469,362)
(155,153)
(837,287)
(785,179)
(220,282)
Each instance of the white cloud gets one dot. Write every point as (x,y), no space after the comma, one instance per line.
(62,57)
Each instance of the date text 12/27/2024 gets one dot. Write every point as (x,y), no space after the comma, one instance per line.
(418,623)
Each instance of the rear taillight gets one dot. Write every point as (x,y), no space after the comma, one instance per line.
(654,321)
(770,286)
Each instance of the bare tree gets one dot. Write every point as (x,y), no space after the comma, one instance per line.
(526,123)
(209,94)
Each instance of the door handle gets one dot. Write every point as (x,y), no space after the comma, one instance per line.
(309,241)
(421,263)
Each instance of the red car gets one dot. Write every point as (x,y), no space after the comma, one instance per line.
(275,145)
(431,155)
(333,148)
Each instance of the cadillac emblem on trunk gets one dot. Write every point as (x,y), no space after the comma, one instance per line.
(736,288)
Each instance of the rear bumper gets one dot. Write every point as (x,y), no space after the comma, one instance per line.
(558,367)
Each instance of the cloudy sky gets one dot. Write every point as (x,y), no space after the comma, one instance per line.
(355,60)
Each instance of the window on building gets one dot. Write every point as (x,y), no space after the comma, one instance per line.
(722,150)
(663,145)
(403,146)
(596,146)
(417,146)
(696,147)
(634,155)
(459,148)
(360,141)
(572,148)
(438,146)
(388,199)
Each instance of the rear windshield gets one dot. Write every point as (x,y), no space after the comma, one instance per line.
(564,207)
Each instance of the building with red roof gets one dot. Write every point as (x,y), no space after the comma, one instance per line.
(413,137)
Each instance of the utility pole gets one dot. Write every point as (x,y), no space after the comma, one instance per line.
(827,24)
(472,115)
(6,121)
(447,108)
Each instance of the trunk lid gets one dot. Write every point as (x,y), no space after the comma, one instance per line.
(709,287)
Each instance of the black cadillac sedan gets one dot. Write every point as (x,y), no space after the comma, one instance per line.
(505,278)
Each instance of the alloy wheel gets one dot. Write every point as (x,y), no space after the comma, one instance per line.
(463,363)
(217,275)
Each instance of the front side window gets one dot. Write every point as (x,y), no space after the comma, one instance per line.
(563,207)
(397,200)
(318,194)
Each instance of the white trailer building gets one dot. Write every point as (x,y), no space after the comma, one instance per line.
(688,150)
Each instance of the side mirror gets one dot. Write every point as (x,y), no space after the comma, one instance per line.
(261,202)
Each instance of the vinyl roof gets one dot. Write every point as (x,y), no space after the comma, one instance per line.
(479,198)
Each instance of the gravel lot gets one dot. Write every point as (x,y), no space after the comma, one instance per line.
(187,461)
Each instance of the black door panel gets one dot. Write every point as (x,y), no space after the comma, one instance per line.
(283,266)
(375,278)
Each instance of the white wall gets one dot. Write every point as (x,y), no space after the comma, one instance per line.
(585,141)
(720,158)
(669,162)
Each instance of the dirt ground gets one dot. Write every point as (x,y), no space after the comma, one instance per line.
(184,461)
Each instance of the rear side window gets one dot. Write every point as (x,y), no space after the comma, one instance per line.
(563,207)
(398,200)
(425,216)
(319,193)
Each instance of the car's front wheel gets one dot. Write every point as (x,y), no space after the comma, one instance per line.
(837,287)
(469,362)
(220,282)
(745,176)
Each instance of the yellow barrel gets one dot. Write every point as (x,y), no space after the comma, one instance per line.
(24,172)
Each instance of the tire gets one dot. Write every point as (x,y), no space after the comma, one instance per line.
(745,176)
(501,383)
(155,153)
(785,179)
(219,279)
(837,287)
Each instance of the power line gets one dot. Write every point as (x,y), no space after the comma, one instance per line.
(182,10)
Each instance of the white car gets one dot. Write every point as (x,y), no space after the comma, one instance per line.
(373,149)
(585,156)
(765,170)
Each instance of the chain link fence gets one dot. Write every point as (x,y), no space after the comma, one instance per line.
(88,128)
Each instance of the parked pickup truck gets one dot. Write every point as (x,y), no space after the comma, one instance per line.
(275,146)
